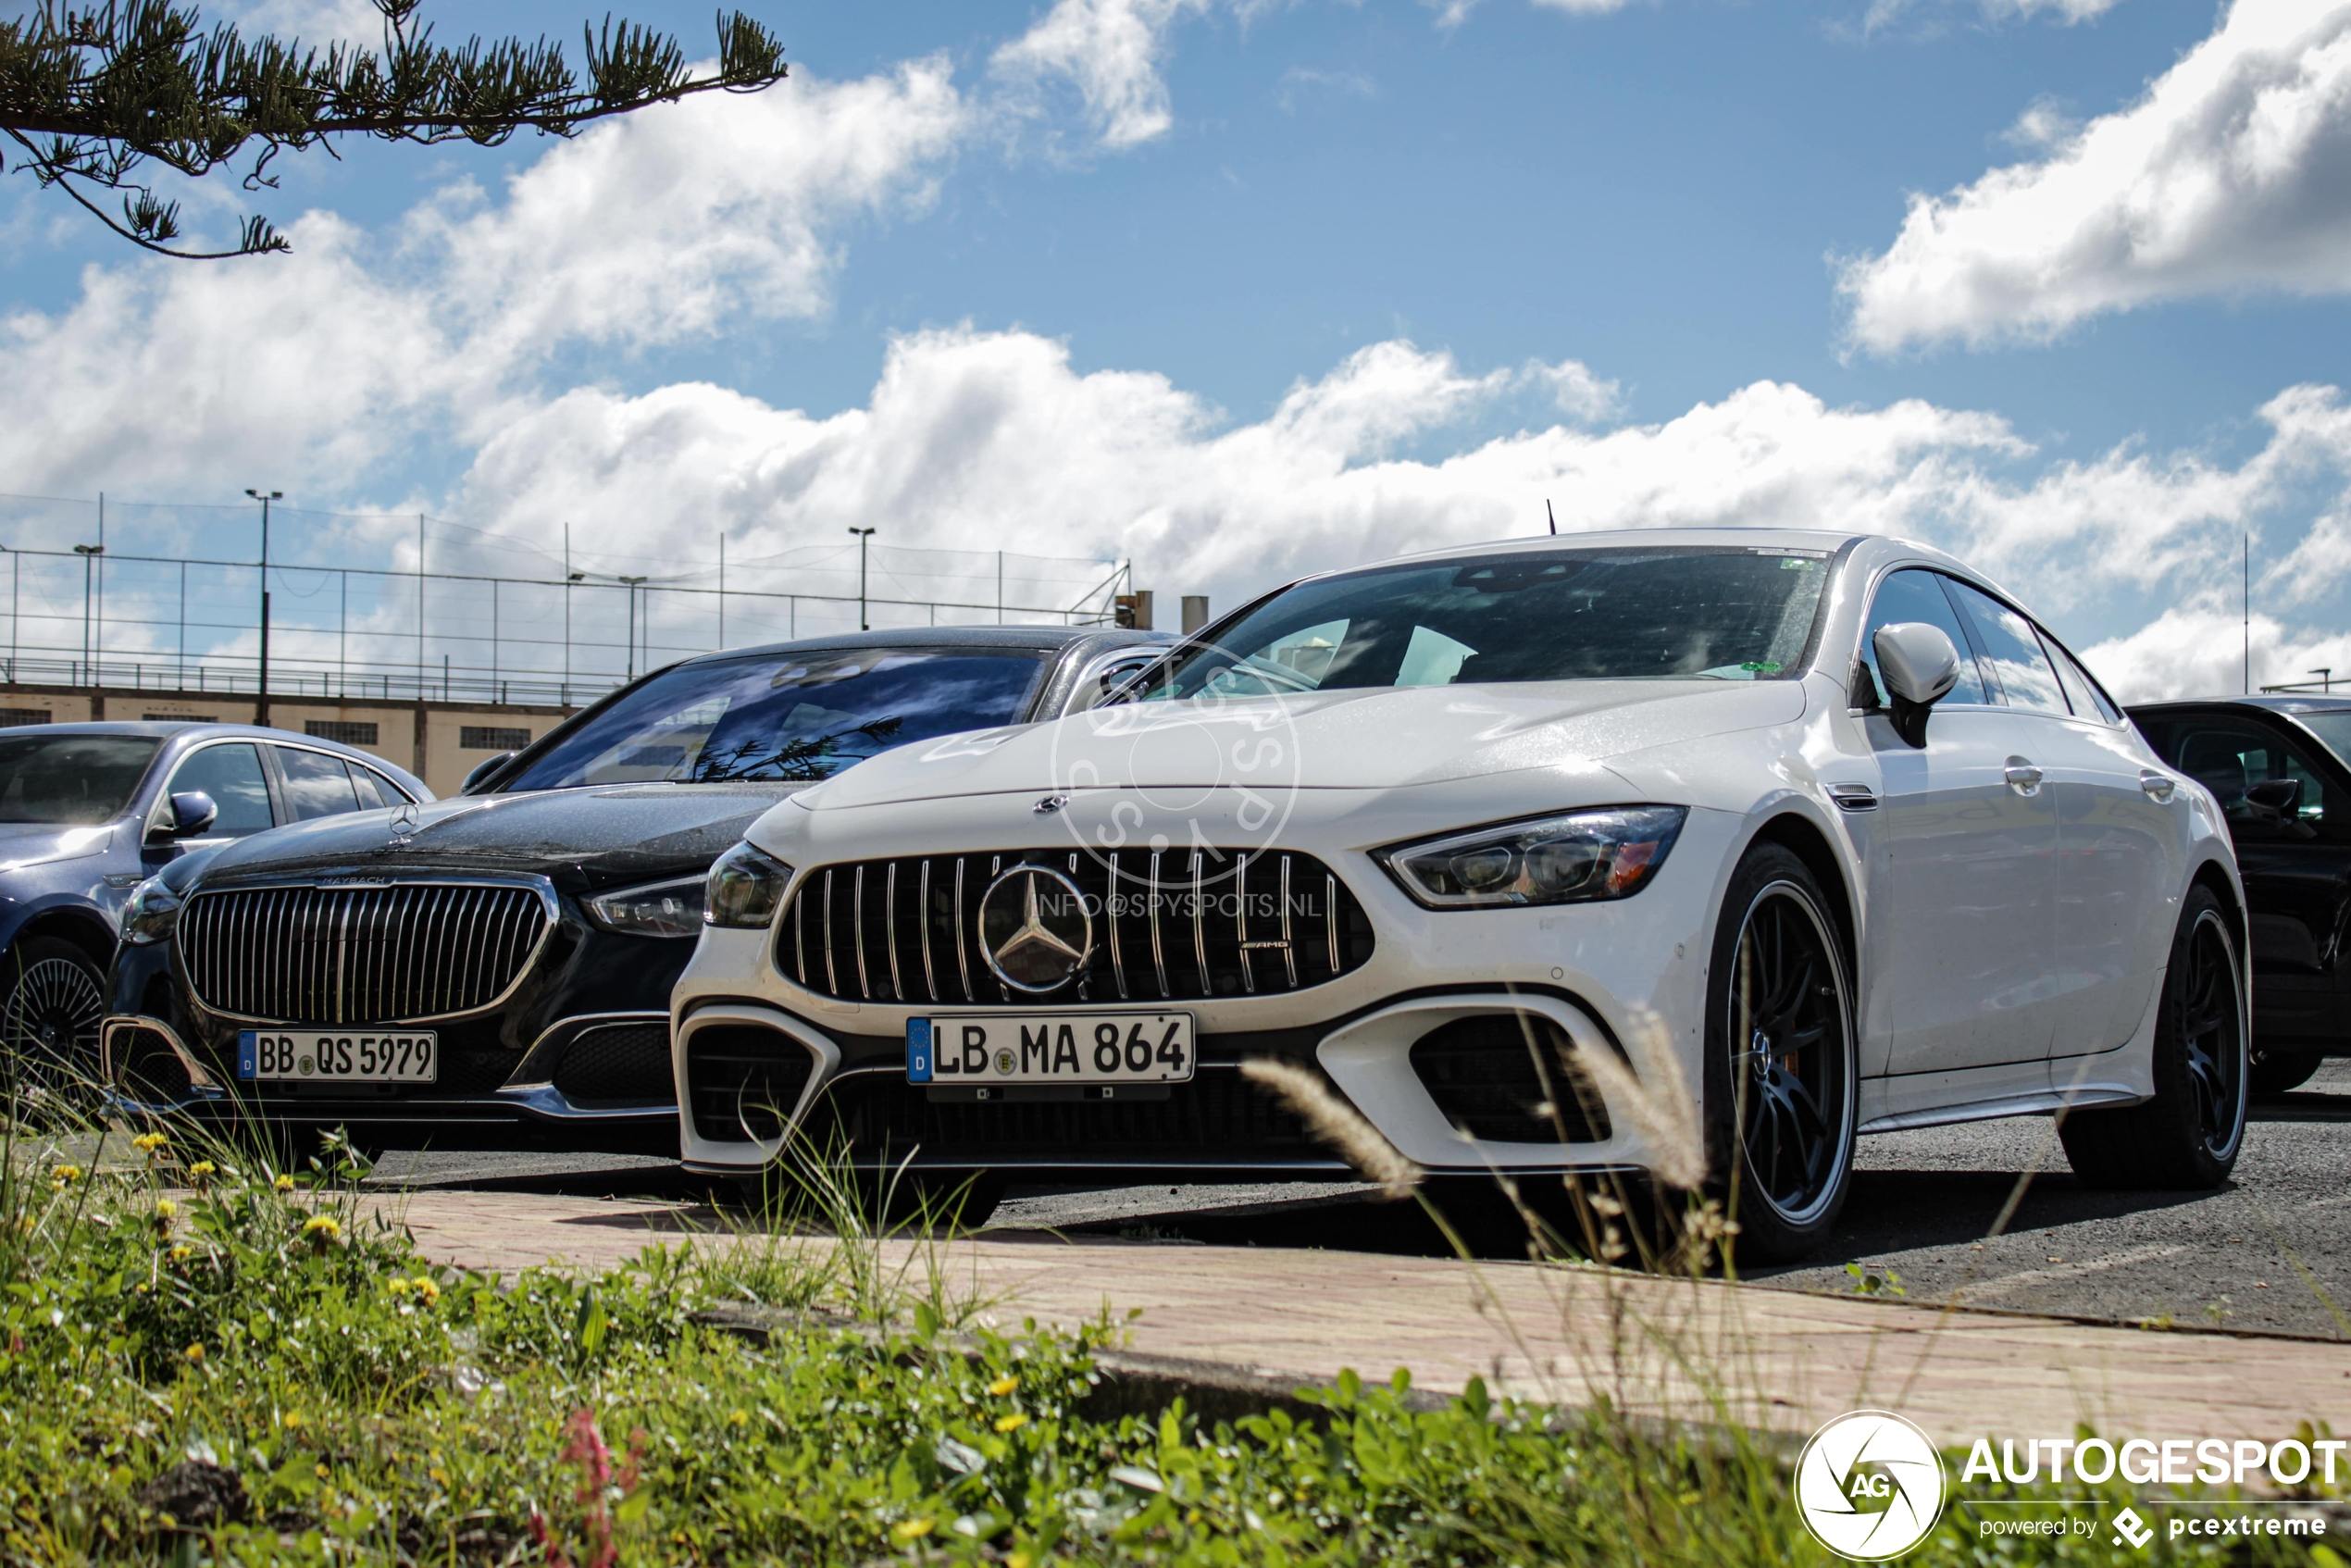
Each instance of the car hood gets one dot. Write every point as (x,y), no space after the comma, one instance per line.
(37,843)
(585,838)
(1379,738)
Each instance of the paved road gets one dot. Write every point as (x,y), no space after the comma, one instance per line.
(2271,1251)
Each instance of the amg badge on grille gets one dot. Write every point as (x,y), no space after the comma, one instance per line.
(1035,928)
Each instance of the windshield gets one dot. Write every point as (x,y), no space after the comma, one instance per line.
(70,778)
(796,716)
(2334,729)
(1720,613)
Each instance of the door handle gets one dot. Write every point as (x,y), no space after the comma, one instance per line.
(2024,776)
(2158,786)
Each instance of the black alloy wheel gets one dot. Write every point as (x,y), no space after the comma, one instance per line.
(54,999)
(1781,1089)
(2189,1133)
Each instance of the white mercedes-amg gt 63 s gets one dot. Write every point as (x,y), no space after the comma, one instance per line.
(1820,833)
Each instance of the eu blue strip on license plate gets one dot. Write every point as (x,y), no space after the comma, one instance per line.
(918,1050)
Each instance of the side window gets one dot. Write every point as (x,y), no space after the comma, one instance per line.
(231,774)
(2080,690)
(1914,594)
(316,785)
(2230,759)
(2013,653)
(386,793)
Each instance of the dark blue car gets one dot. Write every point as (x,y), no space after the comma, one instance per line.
(89,811)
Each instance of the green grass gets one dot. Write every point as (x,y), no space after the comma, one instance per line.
(375,1409)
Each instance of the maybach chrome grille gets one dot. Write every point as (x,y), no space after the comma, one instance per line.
(387,954)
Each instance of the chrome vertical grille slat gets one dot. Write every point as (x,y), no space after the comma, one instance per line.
(922,893)
(1110,918)
(360,955)
(1227,897)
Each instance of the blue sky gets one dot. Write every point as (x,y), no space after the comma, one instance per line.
(1238,290)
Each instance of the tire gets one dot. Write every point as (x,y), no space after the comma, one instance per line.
(2276,1072)
(2188,1136)
(1781,1082)
(52,997)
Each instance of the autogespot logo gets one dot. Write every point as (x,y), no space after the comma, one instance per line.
(1869,1485)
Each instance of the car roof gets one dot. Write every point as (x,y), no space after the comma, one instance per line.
(1830,540)
(165,729)
(2276,702)
(1040,639)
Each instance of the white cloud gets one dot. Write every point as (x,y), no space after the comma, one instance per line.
(1300,86)
(2232,174)
(2190,652)
(1111,51)
(312,368)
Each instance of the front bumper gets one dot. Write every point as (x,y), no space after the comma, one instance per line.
(577,1059)
(761,1059)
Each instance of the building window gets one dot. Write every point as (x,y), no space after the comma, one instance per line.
(491,738)
(11,717)
(180,719)
(339,730)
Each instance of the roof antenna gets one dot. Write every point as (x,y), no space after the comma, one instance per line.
(1548,512)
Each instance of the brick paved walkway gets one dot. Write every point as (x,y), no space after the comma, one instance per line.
(1769,1359)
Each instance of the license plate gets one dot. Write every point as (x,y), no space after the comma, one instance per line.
(1057,1048)
(316,1056)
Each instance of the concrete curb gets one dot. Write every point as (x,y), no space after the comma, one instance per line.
(1125,1382)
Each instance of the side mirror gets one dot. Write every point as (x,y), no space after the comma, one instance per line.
(1920,666)
(484,769)
(192,812)
(2275,800)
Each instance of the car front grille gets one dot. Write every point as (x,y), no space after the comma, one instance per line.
(1178,925)
(359,955)
(742,1081)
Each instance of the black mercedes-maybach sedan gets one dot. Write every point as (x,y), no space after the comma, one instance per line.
(493,970)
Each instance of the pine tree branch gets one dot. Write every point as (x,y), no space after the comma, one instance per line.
(113,87)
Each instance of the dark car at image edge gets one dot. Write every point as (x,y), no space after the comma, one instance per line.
(2280,766)
(517,943)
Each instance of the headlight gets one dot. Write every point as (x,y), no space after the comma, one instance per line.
(151,913)
(746,884)
(1575,857)
(657,909)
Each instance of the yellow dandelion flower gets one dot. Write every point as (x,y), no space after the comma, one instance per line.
(1011,1421)
(201,1169)
(148,1142)
(166,1210)
(284,1184)
(913,1529)
(194,1354)
(1017,1560)
(290,1420)
(739,1418)
(322,1229)
(323,1472)
(65,1176)
(180,1253)
(1003,1384)
(428,1289)
(397,1286)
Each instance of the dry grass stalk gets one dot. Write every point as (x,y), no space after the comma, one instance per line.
(1337,1124)
(1654,1096)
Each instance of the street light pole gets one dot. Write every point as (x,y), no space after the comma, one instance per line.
(88,553)
(261,704)
(633,583)
(863,537)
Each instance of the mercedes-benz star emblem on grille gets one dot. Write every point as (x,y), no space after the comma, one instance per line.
(1050,803)
(403,823)
(1034,928)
